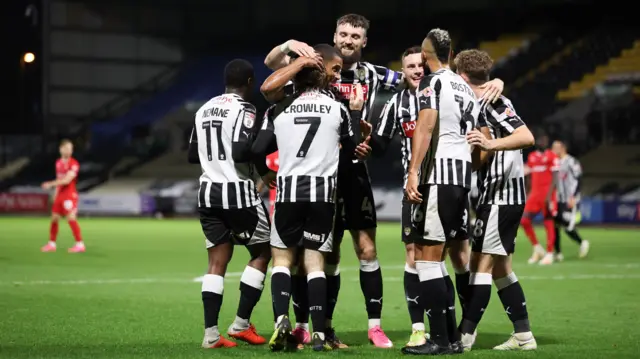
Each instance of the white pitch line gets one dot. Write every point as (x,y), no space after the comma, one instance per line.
(234,278)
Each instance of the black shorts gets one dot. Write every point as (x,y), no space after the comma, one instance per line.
(567,217)
(243,226)
(306,224)
(496,228)
(408,230)
(442,215)
(356,207)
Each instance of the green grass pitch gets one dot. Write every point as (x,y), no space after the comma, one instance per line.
(133,295)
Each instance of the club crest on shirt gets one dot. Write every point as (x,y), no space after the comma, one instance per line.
(249,119)
(509,112)
(427,92)
(361,73)
(407,231)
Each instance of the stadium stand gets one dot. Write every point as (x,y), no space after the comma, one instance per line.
(611,170)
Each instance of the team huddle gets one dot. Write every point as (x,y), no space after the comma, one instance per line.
(310,149)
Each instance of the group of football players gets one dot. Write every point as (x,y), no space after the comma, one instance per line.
(452,120)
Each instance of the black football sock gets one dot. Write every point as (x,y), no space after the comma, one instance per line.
(251,285)
(280,291)
(300,298)
(556,245)
(514,303)
(412,294)
(452,323)
(573,234)
(333,288)
(463,289)
(371,285)
(481,294)
(434,298)
(212,288)
(317,284)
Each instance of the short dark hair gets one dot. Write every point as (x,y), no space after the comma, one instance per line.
(476,64)
(410,51)
(327,51)
(237,73)
(354,20)
(441,41)
(65,141)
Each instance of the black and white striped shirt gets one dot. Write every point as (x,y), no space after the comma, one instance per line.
(448,93)
(373,78)
(501,179)
(308,129)
(569,178)
(399,116)
(223,132)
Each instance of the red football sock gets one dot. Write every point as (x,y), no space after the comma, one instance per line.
(528,230)
(53,231)
(75,228)
(549,227)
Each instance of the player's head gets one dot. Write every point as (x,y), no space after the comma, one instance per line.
(412,66)
(66,148)
(351,36)
(239,77)
(332,61)
(542,141)
(436,49)
(474,66)
(559,148)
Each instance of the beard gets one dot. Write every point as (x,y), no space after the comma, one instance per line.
(353,58)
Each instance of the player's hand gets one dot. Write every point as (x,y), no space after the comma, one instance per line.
(411,191)
(301,48)
(46,185)
(492,91)
(311,61)
(363,150)
(356,99)
(477,138)
(270,179)
(365,129)
(571,202)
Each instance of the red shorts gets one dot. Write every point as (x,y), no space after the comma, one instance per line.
(65,204)
(537,204)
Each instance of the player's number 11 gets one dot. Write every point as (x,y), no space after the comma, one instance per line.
(217,127)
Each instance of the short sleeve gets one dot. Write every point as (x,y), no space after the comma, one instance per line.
(245,122)
(387,125)
(428,92)
(502,115)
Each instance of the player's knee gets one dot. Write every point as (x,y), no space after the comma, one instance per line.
(367,253)
(525,220)
(261,261)
(313,261)
(55,217)
(217,265)
(71,216)
(410,254)
(483,263)
(501,267)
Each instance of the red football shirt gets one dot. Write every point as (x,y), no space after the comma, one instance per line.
(273,164)
(542,165)
(62,168)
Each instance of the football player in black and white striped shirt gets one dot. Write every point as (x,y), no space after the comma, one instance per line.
(231,211)
(356,206)
(498,150)
(568,195)
(308,129)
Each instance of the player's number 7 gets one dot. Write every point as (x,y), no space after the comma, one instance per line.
(314,123)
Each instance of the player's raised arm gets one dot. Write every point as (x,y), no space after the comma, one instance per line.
(278,57)
(385,128)
(387,78)
(273,88)
(428,93)
(265,143)
(243,134)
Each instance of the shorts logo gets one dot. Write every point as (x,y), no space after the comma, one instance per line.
(68,204)
(407,231)
(313,237)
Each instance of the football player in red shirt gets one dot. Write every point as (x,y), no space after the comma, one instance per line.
(542,164)
(272,163)
(66,198)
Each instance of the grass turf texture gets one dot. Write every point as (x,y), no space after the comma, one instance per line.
(133,295)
